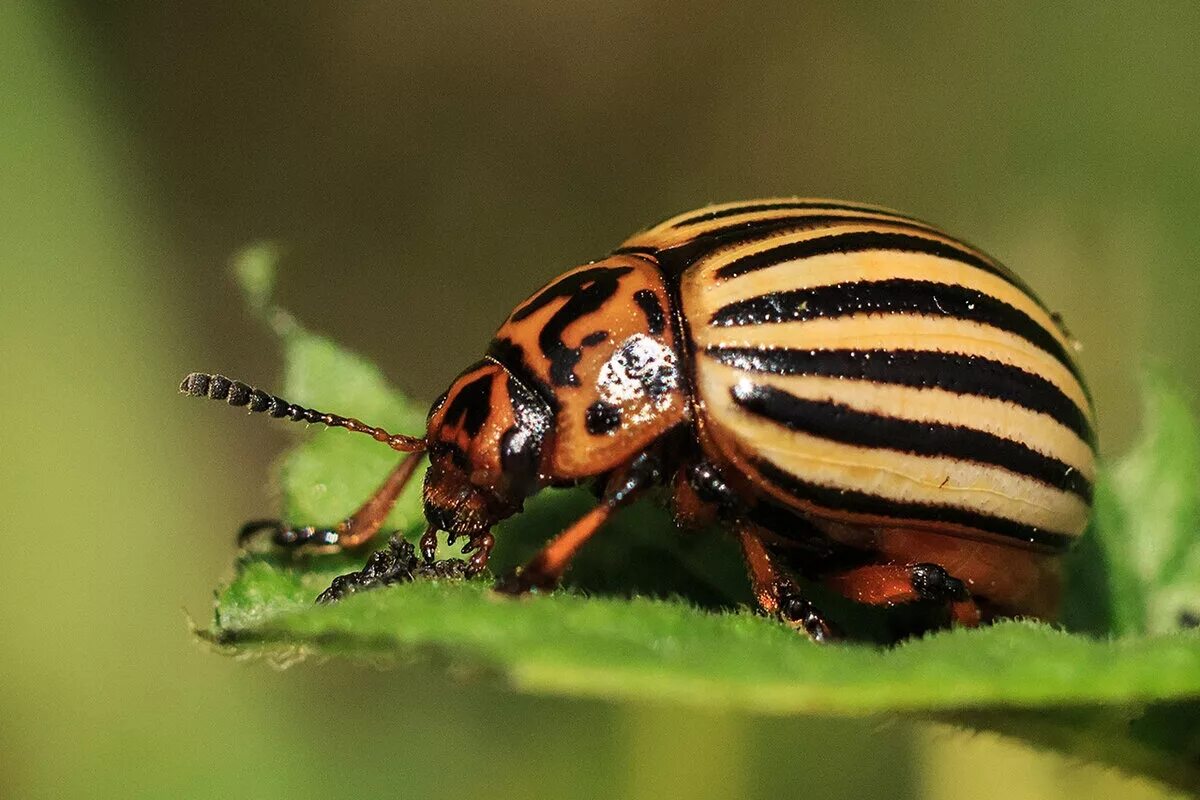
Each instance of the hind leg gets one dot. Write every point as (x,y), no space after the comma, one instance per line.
(895,584)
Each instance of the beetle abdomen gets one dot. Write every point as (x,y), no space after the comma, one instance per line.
(866,367)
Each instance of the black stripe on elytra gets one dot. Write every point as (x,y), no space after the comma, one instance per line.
(636,250)
(737,232)
(681,255)
(783,205)
(586,290)
(471,406)
(511,356)
(840,423)
(892,296)
(951,372)
(647,300)
(857,502)
(863,241)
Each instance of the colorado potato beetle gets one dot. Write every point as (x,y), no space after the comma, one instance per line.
(860,398)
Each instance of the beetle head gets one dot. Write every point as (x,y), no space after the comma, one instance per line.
(485,439)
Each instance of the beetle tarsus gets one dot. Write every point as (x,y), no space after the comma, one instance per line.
(933,582)
(291,538)
(480,548)
(800,614)
(428,545)
(525,580)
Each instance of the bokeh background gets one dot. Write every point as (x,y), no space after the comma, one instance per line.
(425,167)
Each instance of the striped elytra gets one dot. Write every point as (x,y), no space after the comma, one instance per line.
(862,399)
(865,367)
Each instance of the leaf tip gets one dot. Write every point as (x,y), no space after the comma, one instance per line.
(255,267)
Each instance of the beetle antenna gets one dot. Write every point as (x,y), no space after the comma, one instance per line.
(236,393)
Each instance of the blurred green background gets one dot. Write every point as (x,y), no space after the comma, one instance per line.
(426,166)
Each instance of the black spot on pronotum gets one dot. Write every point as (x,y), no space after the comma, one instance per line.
(586,292)
(472,404)
(594,338)
(511,356)
(647,300)
(1189,619)
(602,418)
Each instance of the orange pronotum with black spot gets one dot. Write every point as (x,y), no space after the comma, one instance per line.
(861,398)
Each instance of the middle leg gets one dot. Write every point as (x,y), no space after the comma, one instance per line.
(777,594)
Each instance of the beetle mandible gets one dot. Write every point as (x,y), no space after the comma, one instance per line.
(858,397)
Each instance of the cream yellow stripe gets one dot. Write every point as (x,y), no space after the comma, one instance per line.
(903,477)
(883,332)
(726,255)
(1037,431)
(702,298)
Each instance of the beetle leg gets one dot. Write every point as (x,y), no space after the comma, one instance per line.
(545,569)
(428,544)
(479,545)
(893,584)
(480,548)
(777,594)
(352,533)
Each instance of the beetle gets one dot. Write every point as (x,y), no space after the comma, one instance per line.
(863,400)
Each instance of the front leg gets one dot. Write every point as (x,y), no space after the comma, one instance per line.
(351,534)
(289,537)
(545,569)
(479,545)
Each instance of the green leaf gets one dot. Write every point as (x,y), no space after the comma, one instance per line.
(1157,490)
(651,614)
(1138,569)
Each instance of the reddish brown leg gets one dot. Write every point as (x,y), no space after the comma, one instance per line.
(776,593)
(479,545)
(893,584)
(355,531)
(545,569)
(482,545)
